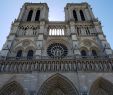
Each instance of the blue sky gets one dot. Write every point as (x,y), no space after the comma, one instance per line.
(103,10)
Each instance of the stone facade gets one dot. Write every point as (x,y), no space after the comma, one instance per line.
(42,57)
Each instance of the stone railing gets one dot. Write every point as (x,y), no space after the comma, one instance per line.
(56,65)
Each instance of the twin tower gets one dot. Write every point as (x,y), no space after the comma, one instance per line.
(33,35)
(42,57)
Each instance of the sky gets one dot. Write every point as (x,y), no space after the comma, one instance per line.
(103,10)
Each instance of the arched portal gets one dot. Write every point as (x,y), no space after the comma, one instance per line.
(101,87)
(12,88)
(57,85)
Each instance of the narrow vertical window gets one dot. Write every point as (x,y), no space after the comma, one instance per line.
(30,54)
(82,15)
(19,54)
(37,15)
(75,15)
(83,53)
(30,15)
(94,53)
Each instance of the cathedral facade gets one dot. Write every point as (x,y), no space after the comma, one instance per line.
(42,57)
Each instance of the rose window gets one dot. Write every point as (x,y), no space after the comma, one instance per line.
(57,50)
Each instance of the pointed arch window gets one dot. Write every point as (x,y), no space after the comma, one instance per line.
(94,53)
(12,88)
(75,15)
(19,54)
(83,53)
(37,15)
(30,54)
(82,15)
(30,15)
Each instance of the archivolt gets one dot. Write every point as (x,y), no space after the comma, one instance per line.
(13,88)
(58,85)
(101,87)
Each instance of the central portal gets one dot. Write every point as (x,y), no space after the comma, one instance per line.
(58,85)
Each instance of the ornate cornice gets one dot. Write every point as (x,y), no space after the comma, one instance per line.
(60,65)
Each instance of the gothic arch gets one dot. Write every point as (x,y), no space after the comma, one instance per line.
(30,15)
(85,49)
(30,48)
(25,45)
(96,49)
(57,85)
(16,49)
(90,41)
(37,15)
(101,87)
(12,88)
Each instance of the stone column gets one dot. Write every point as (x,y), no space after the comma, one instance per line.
(91,13)
(78,15)
(70,14)
(39,41)
(10,39)
(25,15)
(87,14)
(75,42)
(66,14)
(44,13)
(22,10)
(34,15)
(106,47)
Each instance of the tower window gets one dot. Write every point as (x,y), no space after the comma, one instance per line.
(37,15)
(19,54)
(30,54)
(94,53)
(75,15)
(82,15)
(30,15)
(83,53)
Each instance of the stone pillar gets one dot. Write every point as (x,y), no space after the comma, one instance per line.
(42,25)
(41,14)
(39,43)
(39,40)
(43,17)
(70,14)
(78,15)
(22,10)
(87,14)
(91,13)
(75,42)
(10,39)
(25,15)
(106,47)
(34,15)
(67,30)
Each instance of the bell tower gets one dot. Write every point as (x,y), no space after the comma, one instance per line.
(34,12)
(78,12)
(84,26)
(27,31)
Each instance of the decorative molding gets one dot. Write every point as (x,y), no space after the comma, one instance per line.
(60,65)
